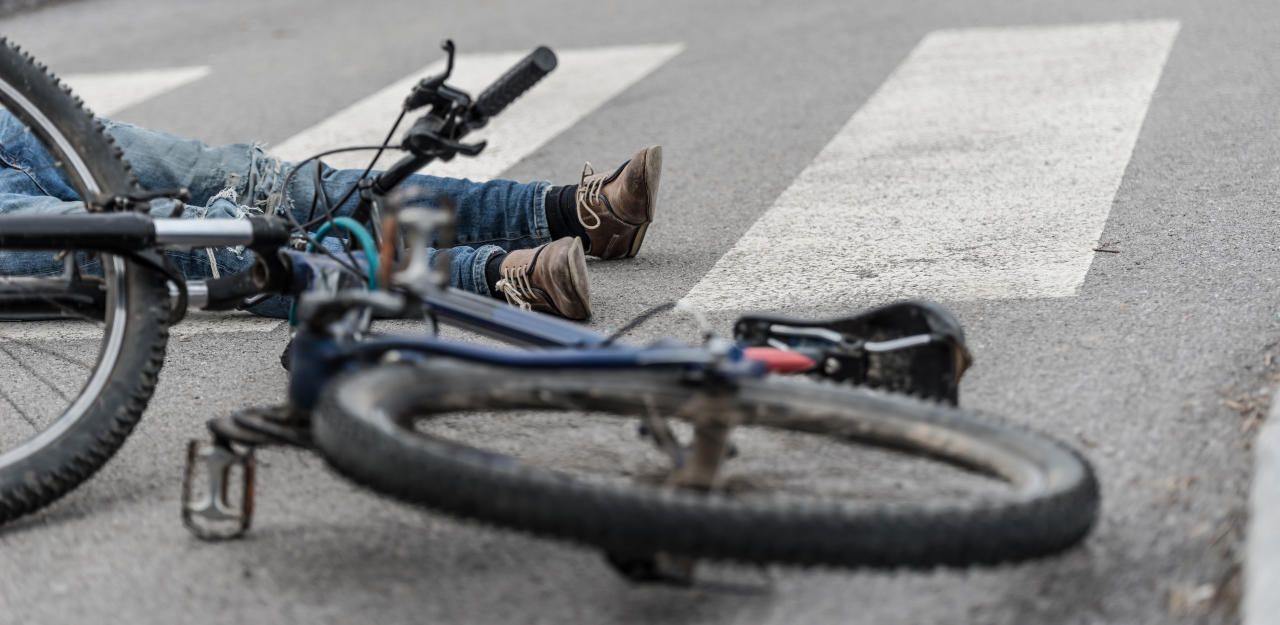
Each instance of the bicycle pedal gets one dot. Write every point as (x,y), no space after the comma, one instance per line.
(211,507)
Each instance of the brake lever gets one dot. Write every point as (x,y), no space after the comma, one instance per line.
(433,90)
(426,142)
(469,149)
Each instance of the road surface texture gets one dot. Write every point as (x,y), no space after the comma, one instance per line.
(820,157)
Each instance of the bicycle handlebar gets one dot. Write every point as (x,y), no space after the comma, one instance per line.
(515,82)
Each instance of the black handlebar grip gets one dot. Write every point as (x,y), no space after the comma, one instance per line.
(516,81)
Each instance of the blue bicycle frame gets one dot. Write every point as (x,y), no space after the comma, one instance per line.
(321,350)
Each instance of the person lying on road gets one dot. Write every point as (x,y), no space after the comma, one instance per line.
(522,241)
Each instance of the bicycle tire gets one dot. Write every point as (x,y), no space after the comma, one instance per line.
(95,424)
(362,427)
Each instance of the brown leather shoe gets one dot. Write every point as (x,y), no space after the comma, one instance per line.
(550,278)
(616,208)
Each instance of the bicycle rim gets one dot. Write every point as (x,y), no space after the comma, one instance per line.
(82,334)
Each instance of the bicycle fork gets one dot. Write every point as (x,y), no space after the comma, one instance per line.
(695,466)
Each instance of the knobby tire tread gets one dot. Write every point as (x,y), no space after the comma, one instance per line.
(56,469)
(354,428)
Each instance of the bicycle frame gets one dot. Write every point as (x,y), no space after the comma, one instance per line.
(322,349)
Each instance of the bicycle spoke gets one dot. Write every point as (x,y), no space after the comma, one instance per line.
(20,411)
(36,374)
(49,352)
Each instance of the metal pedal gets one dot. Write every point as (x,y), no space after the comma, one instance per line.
(211,509)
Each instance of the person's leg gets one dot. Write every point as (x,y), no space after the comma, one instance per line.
(32,183)
(505,213)
(26,263)
(194,264)
(609,212)
(462,273)
(159,160)
(227,175)
(498,215)
(165,161)
(467,266)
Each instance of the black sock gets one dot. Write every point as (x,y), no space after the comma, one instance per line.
(562,214)
(492,273)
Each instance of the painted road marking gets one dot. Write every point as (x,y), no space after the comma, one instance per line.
(583,80)
(983,168)
(108,93)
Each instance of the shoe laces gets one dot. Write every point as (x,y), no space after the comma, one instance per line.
(588,194)
(515,286)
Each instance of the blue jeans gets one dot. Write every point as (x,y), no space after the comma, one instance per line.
(239,180)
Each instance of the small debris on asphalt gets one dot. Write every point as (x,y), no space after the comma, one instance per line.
(1187,599)
(1176,486)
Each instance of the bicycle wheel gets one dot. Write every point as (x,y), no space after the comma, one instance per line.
(375,426)
(82,335)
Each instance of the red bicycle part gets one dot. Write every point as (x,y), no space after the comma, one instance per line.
(780,360)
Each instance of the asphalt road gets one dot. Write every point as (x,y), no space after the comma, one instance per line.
(1152,366)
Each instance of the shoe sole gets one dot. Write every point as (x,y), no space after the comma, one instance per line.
(652,176)
(578,277)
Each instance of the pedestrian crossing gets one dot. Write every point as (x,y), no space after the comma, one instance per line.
(583,80)
(109,93)
(983,168)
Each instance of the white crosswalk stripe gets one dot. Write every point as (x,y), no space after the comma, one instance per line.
(109,93)
(984,167)
(583,80)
